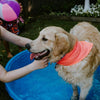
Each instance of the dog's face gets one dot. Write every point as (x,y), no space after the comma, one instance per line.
(52,41)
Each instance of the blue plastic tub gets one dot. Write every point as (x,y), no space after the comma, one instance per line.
(43,84)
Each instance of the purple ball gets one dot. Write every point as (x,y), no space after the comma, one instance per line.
(9,10)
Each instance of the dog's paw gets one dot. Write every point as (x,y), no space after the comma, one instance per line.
(74,98)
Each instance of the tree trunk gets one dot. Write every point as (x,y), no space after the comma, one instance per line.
(86,5)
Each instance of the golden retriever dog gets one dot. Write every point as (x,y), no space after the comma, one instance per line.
(56,43)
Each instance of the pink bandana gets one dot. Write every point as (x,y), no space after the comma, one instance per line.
(79,52)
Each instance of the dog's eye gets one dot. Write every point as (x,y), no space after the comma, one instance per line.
(44,39)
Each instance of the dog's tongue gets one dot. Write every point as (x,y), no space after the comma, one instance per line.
(36,55)
(33,55)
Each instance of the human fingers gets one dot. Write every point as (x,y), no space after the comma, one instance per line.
(45,63)
(21,7)
(45,58)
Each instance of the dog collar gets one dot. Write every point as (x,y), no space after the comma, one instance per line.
(79,52)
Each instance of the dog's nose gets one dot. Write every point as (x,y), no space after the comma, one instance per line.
(27,46)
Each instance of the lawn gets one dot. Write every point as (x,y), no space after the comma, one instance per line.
(31,31)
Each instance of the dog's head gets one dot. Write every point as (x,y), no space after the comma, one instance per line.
(53,41)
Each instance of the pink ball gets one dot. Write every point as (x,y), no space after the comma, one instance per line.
(9,10)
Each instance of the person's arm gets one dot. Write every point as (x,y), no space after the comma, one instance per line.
(10,37)
(18,73)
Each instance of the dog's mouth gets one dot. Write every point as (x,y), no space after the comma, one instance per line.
(39,55)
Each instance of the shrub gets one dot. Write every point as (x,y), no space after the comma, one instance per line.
(94,10)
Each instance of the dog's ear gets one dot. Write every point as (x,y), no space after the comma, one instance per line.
(61,44)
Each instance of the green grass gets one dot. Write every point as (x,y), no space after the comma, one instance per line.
(32,31)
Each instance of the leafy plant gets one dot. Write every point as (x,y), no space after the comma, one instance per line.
(94,10)
(98,1)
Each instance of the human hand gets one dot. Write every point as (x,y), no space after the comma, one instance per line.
(39,64)
(21,7)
